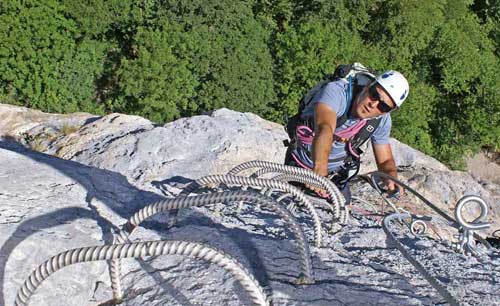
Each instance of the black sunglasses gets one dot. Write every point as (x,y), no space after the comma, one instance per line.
(375,96)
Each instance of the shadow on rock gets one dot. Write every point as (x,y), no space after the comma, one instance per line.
(110,188)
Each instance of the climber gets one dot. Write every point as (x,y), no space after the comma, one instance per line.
(340,114)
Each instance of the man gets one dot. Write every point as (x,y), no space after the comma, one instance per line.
(327,151)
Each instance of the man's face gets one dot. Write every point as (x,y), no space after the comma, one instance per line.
(373,101)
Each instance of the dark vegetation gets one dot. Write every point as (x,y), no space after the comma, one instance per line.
(165,59)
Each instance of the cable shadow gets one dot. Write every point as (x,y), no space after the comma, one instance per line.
(98,183)
(30,226)
(124,200)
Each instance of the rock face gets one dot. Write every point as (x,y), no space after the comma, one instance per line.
(49,205)
(482,167)
(103,169)
(159,157)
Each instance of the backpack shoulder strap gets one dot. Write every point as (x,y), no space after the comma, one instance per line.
(366,132)
(353,89)
(341,120)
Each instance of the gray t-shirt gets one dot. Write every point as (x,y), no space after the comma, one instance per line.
(334,94)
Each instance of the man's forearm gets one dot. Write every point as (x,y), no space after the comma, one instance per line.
(322,145)
(388,167)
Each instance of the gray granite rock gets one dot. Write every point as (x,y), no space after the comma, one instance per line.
(118,163)
(49,205)
(405,156)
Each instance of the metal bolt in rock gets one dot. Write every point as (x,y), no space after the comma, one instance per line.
(467,243)
(418,227)
(212,198)
(454,223)
(142,249)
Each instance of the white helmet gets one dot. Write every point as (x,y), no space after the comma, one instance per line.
(395,84)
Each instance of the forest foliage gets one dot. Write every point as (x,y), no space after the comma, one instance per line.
(166,59)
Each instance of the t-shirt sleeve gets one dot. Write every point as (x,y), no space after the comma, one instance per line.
(383,132)
(333,95)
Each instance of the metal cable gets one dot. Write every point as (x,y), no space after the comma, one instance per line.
(291,207)
(259,173)
(418,195)
(287,177)
(443,214)
(361,200)
(377,188)
(221,197)
(337,199)
(142,249)
(212,198)
(431,279)
(285,187)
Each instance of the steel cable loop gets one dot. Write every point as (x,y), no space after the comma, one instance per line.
(115,267)
(338,201)
(344,210)
(282,186)
(142,249)
(212,198)
(190,188)
(320,181)
(467,244)
(294,226)
(414,227)
(443,214)
(292,207)
(274,167)
(420,268)
(475,224)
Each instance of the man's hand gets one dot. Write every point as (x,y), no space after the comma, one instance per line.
(385,163)
(321,170)
(394,189)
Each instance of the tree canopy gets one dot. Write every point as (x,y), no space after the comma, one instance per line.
(165,59)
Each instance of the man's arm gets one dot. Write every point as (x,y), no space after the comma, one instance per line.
(385,163)
(326,120)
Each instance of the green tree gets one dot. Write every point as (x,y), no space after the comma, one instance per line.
(402,32)
(157,83)
(308,48)
(463,64)
(44,62)
(230,59)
